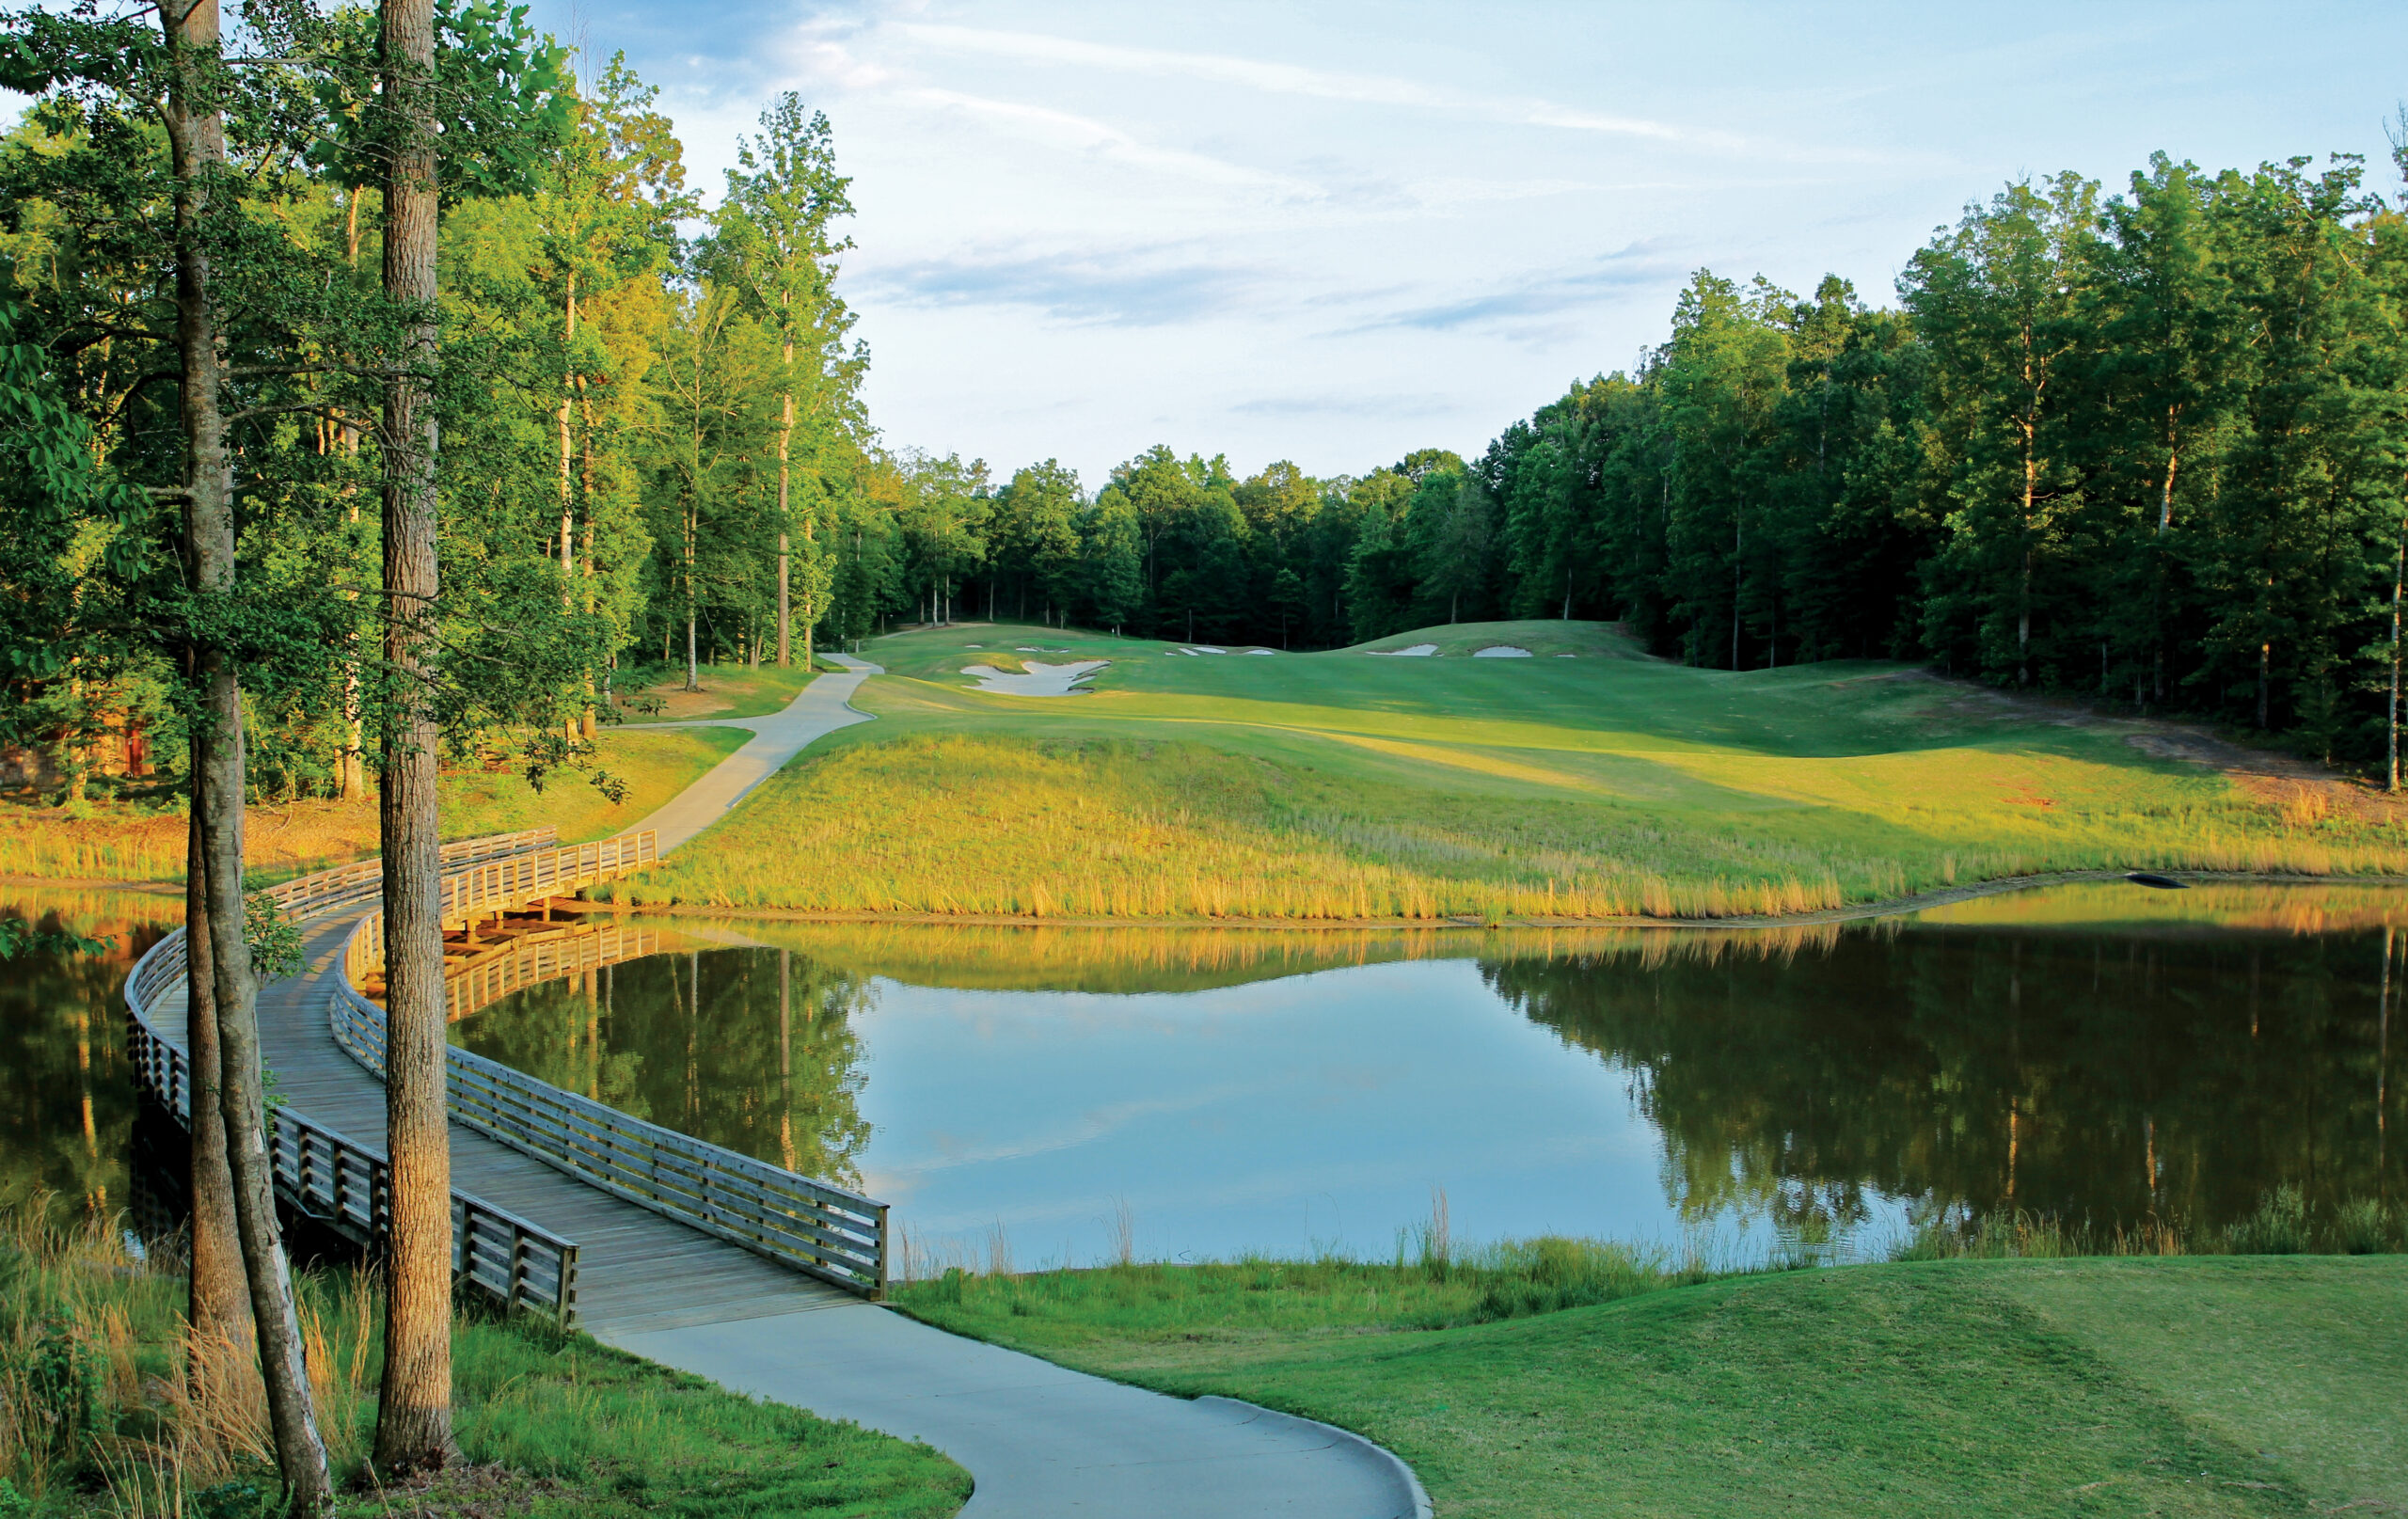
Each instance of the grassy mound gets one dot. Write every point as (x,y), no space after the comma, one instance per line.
(1546,638)
(728,691)
(2197,1387)
(1331,786)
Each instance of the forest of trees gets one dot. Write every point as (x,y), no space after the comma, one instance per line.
(2148,447)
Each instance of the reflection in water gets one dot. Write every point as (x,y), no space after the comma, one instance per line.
(2073,1073)
(2094,1052)
(67,1103)
(2099,1053)
(753,1049)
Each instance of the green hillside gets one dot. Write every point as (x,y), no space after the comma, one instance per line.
(1348,785)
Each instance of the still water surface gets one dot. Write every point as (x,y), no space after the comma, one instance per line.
(2099,1052)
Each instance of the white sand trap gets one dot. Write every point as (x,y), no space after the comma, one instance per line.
(1262,650)
(1567,656)
(1041,679)
(1419,651)
(1205,648)
(1500,651)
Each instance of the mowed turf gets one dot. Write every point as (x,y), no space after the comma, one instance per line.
(1358,786)
(2193,1387)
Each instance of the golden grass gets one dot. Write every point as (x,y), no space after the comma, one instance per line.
(134,842)
(993,826)
(1342,786)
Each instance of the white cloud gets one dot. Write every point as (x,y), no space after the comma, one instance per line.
(1290,79)
(1082,134)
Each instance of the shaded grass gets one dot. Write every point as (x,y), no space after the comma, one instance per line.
(135,841)
(94,1416)
(1960,1386)
(728,690)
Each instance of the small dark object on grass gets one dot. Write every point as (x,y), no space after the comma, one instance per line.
(2163,883)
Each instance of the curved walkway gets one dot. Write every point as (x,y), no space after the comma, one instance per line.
(821,708)
(1040,1441)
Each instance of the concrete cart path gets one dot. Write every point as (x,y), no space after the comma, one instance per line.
(1041,1441)
(819,709)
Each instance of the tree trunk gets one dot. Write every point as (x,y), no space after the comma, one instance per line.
(196,139)
(217,1316)
(2391,713)
(585,494)
(785,441)
(568,555)
(414,1400)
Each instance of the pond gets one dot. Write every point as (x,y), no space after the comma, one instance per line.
(67,1098)
(2104,1054)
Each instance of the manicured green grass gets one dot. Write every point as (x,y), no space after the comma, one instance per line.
(1351,785)
(2205,1387)
(133,841)
(93,1418)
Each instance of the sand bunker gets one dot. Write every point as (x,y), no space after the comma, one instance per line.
(1500,651)
(1419,651)
(1040,680)
(1262,650)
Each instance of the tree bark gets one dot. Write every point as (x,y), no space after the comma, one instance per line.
(197,141)
(2391,711)
(785,441)
(217,1315)
(569,558)
(413,1403)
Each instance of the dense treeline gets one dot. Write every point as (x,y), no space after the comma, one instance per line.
(654,450)
(2146,446)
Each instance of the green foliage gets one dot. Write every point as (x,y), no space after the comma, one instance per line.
(18,937)
(273,939)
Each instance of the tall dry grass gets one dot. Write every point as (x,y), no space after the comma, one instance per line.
(103,1391)
(982,826)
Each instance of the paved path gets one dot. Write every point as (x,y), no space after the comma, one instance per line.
(822,707)
(1038,1440)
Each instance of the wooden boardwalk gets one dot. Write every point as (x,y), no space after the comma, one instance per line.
(1041,1441)
(638,1272)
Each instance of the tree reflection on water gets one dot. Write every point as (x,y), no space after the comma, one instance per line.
(2077,1074)
(751,1049)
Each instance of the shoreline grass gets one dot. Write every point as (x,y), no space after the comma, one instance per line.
(95,1417)
(2010,1367)
(1038,828)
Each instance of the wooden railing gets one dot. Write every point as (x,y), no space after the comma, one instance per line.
(488,980)
(346,1184)
(835,1235)
(323,890)
(828,1232)
(497,886)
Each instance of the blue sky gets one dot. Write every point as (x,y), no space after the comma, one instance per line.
(1335,232)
